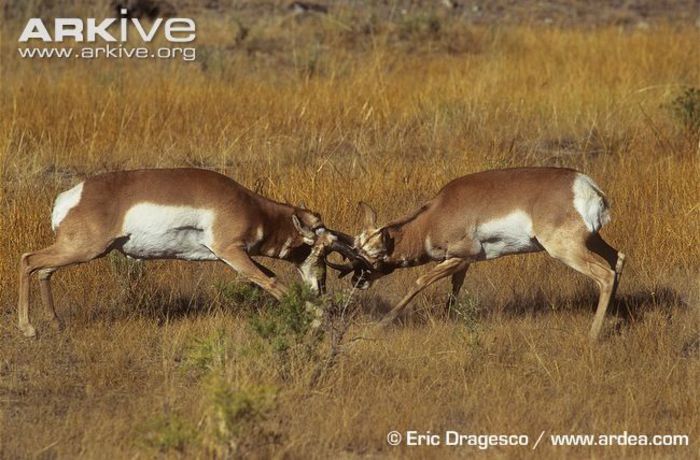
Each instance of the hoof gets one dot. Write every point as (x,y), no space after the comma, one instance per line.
(385,323)
(28,330)
(594,337)
(620,263)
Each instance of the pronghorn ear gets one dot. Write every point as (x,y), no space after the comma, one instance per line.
(303,231)
(369,215)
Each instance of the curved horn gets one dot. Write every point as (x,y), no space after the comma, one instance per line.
(343,246)
(344,269)
(344,250)
(344,238)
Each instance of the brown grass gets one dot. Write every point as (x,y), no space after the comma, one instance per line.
(159,360)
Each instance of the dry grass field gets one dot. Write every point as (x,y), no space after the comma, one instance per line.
(184,360)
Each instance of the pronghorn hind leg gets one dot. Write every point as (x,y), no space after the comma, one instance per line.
(584,260)
(45,262)
(23,301)
(441,270)
(47,297)
(30,263)
(614,258)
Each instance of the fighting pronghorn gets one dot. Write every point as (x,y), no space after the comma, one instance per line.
(188,214)
(491,214)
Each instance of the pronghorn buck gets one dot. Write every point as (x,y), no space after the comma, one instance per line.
(189,214)
(491,214)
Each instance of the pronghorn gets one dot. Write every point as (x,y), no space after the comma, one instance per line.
(490,214)
(189,214)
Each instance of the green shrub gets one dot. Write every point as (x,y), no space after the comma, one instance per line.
(234,416)
(467,310)
(288,324)
(291,329)
(167,432)
(243,294)
(420,26)
(686,109)
(208,354)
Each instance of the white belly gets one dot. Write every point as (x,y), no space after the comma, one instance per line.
(511,234)
(153,231)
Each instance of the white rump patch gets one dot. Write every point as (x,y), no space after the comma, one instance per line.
(589,201)
(168,232)
(511,234)
(65,202)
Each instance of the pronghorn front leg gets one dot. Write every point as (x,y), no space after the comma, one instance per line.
(441,270)
(238,259)
(457,282)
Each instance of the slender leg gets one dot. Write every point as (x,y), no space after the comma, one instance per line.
(47,297)
(606,282)
(619,265)
(46,261)
(23,302)
(238,259)
(614,258)
(265,270)
(457,282)
(583,258)
(440,271)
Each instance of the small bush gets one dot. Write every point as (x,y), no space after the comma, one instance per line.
(686,109)
(208,354)
(243,294)
(339,312)
(288,324)
(467,310)
(420,26)
(292,328)
(167,432)
(231,414)
(234,416)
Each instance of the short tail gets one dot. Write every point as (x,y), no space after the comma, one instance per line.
(591,203)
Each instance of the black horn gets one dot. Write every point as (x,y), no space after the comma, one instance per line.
(344,246)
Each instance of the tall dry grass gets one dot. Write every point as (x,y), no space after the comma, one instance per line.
(160,359)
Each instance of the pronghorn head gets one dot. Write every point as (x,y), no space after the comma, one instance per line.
(323,242)
(371,248)
(309,225)
(373,242)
